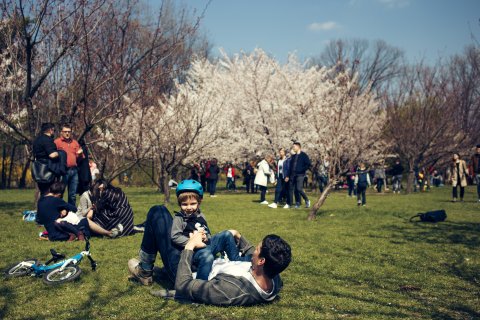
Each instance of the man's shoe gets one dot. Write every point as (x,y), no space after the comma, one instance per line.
(264,202)
(307,204)
(273,205)
(454,200)
(145,277)
(288,207)
(297,206)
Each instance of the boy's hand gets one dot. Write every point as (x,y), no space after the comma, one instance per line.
(195,241)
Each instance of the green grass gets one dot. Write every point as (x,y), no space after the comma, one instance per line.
(350,263)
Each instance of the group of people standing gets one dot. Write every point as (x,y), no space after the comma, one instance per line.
(103,209)
(289,177)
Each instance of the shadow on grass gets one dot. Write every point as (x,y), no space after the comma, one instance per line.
(438,233)
(16,208)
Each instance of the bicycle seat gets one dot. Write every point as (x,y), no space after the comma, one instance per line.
(56,255)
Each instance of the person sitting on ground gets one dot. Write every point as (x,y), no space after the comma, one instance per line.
(70,222)
(230,283)
(190,219)
(49,209)
(111,214)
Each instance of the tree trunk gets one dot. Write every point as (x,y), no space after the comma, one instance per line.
(23,179)
(10,169)
(410,177)
(3,183)
(166,189)
(321,199)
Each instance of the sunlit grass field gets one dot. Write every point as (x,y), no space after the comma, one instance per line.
(351,263)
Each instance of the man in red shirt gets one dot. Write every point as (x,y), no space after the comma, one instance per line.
(74,152)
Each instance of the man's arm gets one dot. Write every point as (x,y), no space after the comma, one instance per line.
(216,291)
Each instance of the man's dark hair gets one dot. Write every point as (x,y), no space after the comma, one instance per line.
(478,145)
(57,188)
(66,125)
(297,143)
(277,254)
(47,126)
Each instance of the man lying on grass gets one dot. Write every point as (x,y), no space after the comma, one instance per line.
(229,283)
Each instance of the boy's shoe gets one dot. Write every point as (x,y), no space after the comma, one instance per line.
(307,204)
(117,231)
(288,207)
(71,237)
(81,236)
(139,228)
(273,205)
(297,206)
(264,202)
(145,277)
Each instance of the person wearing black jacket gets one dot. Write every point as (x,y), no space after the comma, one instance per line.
(214,170)
(299,164)
(397,174)
(45,149)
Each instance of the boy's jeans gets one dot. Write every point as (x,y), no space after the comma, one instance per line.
(361,194)
(223,241)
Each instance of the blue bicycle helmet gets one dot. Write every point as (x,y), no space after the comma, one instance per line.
(190,186)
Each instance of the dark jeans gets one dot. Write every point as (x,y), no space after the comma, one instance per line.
(231,184)
(380,183)
(212,186)
(298,185)
(361,194)
(477,176)
(156,238)
(203,182)
(322,182)
(220,242)
(351,187)
(263,192)
(249,185)
(462,191)
(71,181)
(280,189)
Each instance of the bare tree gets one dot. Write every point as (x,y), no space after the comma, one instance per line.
(375,62)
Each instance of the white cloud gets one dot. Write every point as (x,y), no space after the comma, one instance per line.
(395,3)
(323,26)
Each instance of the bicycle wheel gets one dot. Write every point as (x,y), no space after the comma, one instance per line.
(57,276)
(21,268)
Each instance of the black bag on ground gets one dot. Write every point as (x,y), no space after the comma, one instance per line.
(41,172)
(431,216)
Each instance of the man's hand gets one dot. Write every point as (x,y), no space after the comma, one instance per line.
(80,151)
(195,241)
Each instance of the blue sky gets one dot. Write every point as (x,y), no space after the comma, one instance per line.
(422,28)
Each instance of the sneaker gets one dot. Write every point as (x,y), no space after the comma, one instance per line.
(213,196)
(117,231)
(139,228)
(264,202)
(162,293)
(273,205)
(307,204)
(288,207)
(297,206)
(359,203)
(145,277)
(454,200)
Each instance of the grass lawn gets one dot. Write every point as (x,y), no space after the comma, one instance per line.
(352,262)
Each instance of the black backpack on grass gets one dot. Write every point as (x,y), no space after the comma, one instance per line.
(431,216)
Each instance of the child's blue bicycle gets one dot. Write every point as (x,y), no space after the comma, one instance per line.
(63,270)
